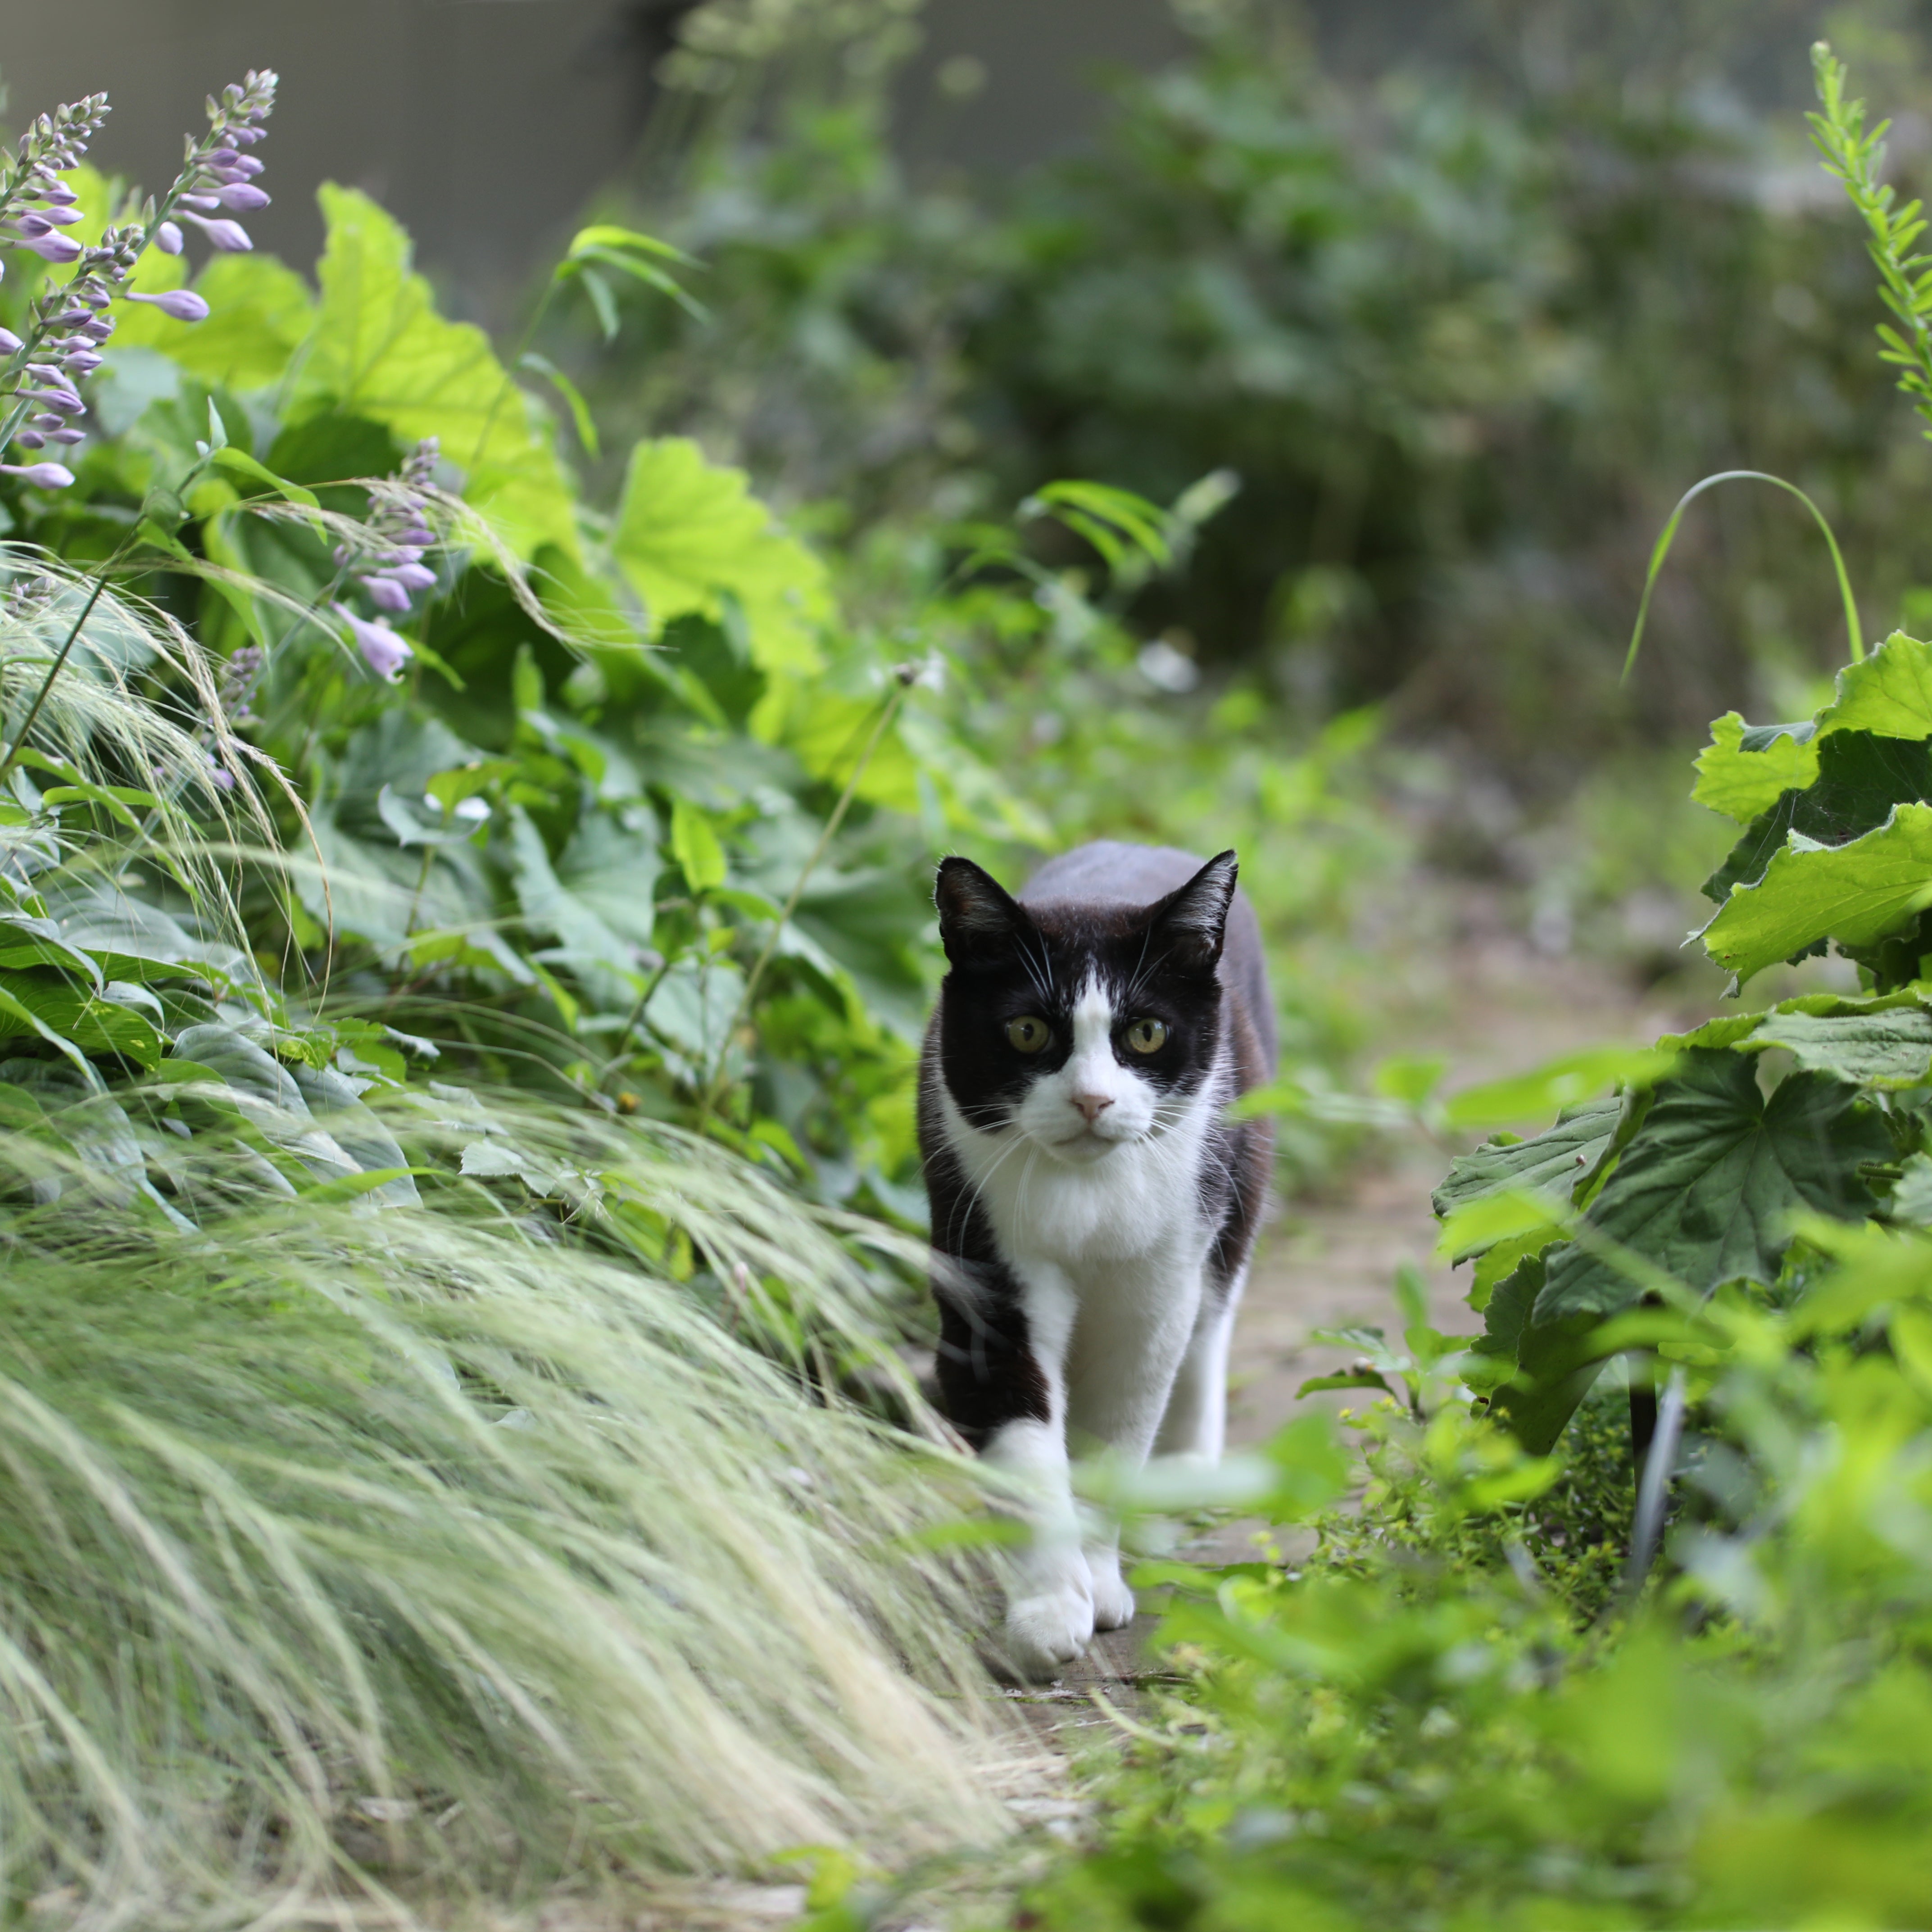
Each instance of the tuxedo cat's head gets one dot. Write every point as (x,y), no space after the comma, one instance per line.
(1083,1024)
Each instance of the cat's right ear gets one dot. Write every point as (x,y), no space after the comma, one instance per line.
(979,921)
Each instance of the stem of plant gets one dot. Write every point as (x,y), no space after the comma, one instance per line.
(509,381)
(12,757)
(644,999)
(903,676)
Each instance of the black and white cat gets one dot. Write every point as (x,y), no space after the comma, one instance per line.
(1092,1209)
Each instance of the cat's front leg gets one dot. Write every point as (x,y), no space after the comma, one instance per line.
(1136,1335)
(1049,1617)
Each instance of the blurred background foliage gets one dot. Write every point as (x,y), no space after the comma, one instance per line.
(1464,301)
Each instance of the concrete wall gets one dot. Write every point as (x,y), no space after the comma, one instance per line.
(482,124)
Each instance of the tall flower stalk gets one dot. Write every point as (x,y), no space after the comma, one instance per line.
(39,381)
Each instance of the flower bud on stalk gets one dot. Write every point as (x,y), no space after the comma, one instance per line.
(390,571)
(385,652)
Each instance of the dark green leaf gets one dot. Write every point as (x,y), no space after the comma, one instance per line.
(1706,1188)
(1889,1048)
(1553,1162)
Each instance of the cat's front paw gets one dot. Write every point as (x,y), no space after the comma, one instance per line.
(1113,1601)
(1046,1632)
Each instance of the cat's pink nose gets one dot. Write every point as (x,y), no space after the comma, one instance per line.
(1092,1105)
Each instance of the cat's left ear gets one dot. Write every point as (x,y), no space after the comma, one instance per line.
(979,919)
(1193,921)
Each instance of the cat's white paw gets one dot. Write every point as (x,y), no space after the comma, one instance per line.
(1113,1601)
(1046,1631)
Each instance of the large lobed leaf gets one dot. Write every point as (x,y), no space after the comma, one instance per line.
(1856,893)
(689,534)
(1706,1191)
(380,351)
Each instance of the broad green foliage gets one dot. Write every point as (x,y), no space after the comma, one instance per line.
(688,535)
(1419,1724)
(1841,851)
(379,352)
(1708,1186)
(1712,1169)
(1857,893)
(1742,772)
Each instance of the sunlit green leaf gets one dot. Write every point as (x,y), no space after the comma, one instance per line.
(379,350)
(689,533)
(1855,893)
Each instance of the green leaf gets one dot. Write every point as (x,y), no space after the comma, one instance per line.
(1512,1215)
(1353,1378)
(58,1011)
(694,845)
(1116,522)
(603,301)
(1911,1197)
(630,253)
(1890,695)
(242,464)
(689,532)
(573,397)
(260,311)
(1860,778)
(1855,893)
(601,952)
(26,942)
(1706,1188)
(380,351)
(1889,1048)
(1553,1162)
(1741,780)
(608,234)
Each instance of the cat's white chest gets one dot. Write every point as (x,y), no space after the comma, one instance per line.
(1139,1201)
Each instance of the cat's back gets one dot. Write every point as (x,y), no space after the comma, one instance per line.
(1108,872)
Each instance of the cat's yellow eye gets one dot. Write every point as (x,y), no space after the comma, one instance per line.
(1028,1036)
(1147,1036)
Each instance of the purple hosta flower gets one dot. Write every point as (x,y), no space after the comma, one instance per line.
(167,237)
(35,200)
(58,249)
(184,305)
(27,596)
(230,237)
(386,593)
(43,476)
(241,680)
(385,652)
(61,345)
(390,570)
